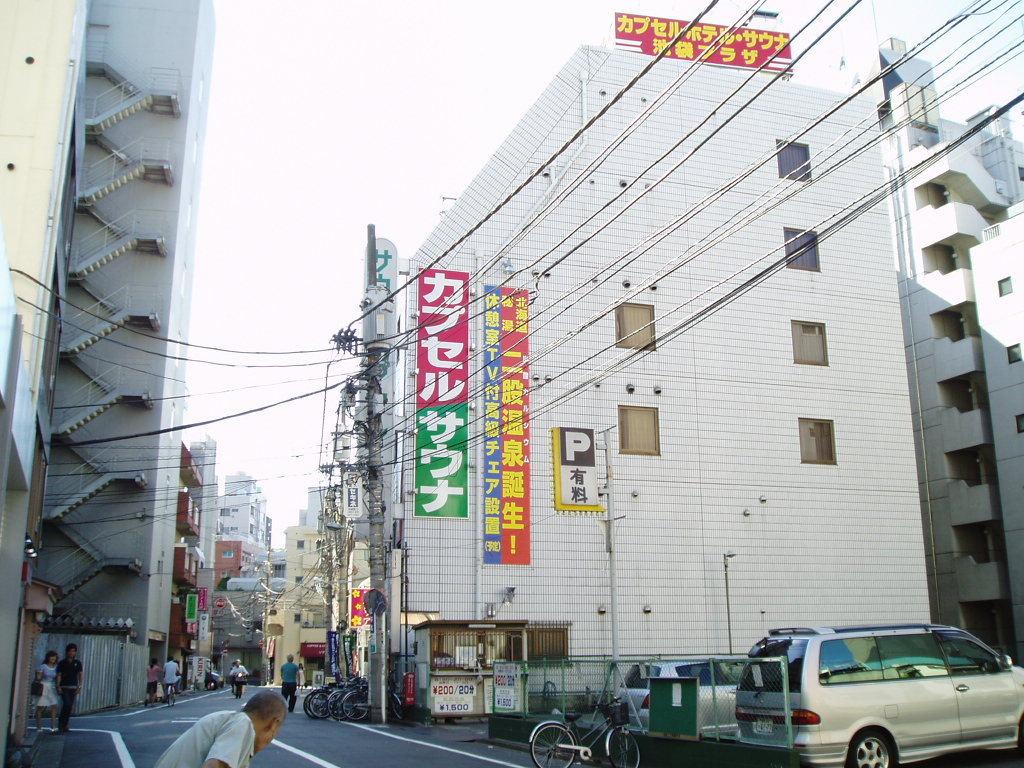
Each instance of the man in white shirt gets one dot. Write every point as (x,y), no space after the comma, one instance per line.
(171,674)
(228,739)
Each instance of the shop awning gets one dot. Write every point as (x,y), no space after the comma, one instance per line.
(312,650)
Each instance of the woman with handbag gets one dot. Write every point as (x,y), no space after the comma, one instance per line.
(44,689)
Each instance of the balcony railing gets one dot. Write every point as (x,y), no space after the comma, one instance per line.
(187,522)
(951,289)
(977,582)
(186,567)
(954,359)
(965,429)
(970,504)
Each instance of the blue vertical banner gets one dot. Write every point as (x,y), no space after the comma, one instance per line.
(332,654)
(493,440)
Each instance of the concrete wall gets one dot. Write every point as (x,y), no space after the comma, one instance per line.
(814,544)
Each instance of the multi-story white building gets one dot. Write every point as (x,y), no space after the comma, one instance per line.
(110,508)
(773,436)
(310,516)
(243,512)
(959,278)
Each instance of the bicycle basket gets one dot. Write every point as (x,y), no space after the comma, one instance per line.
(617,713)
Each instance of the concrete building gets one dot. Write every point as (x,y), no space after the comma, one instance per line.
(243,512)
(204,455)
(299,611)
(774,435)
(959,287)
(38,87)
(189,558)
(111,509)
(310,516)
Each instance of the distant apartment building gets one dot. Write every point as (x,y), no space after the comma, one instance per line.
(771,436)
(296,617)
(204,456)
(235,558)
(310,516)
(243,512)
(957,232)
(189,558)
(111,525)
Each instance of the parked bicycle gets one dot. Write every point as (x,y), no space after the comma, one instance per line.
(324,701)
(554,744)
(355,705)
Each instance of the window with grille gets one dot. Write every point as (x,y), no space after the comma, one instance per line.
(634,326)
(794,160)
(802,249)
(1013,354)
(296,617)
(817,441)
(638,431)
(300,544)
(810,346)
(1005,286)
(547,641)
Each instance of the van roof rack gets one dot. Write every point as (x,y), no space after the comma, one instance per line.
(883,627)
(800,631)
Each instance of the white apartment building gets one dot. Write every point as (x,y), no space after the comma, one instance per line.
(773,436)
(110,508)
(243,513)
(310,516)
(959,278)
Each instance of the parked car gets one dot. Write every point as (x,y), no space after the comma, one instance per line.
(878,696)
(716,711)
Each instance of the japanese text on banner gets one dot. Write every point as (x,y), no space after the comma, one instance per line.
(493,439)
(515,428)
(442,395)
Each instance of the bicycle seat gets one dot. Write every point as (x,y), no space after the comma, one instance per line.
(572,717)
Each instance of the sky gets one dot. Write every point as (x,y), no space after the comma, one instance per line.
(339,113)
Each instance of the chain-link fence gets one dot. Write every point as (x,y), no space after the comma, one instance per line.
(580,685)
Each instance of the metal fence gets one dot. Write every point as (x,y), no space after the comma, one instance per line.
(114,669)
(738,699)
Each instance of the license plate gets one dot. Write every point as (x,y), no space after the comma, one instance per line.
(763,726)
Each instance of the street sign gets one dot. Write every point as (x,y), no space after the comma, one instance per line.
(220,603)
(574,455)
(204,626)
(204,599)
(353,496)
(376,602)
(191,608)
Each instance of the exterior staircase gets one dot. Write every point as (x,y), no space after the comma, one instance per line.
(89,412)
(125,307)
(134,231)
(69,491)
(146,159)
(130,92)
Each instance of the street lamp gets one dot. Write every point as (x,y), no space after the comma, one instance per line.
(726,557)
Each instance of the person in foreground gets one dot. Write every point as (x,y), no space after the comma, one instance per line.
(228,739)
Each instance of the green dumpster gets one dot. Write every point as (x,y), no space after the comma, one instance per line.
(673,707)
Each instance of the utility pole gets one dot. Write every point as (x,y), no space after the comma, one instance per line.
(376,356)
(610,544)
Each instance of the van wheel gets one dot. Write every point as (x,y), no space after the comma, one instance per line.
(871,749)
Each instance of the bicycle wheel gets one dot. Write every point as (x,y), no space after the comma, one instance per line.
(355,705)
(622,749)
(334,705)
(318,705)
(397,711)
(547,746)
(308,700)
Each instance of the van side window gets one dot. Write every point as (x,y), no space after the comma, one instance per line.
(908,657)
(854,660)
(966,657)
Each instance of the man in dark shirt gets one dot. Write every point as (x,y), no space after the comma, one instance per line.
(70,678)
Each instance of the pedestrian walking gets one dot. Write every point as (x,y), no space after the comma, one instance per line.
(171,677)
(70,679)
(228,739)
(153,675)
(237,676)
(289,681)
(302,677)
(44,689)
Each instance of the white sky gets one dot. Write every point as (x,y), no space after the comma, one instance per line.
(331,115)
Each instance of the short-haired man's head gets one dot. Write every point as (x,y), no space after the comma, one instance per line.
(69,648)
(267,710)
(291,657)
(152,662)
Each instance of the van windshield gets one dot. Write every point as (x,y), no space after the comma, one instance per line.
(792,648)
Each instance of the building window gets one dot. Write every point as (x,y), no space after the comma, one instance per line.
(1013,354)
(1005,286)
(1020,172)
(298,579)
(802,249)
(817,442)
(634,326)
(810,346)
(229,553)
(794,160)
(225,513)
(1020,422)
(296,617)
(300,544)
(638,431)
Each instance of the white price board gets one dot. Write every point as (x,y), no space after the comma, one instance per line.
(508,685)
(453,696)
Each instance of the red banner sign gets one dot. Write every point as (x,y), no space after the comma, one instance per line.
(312,650)
(204,599)
(738,47)
(515,428)
(360,617)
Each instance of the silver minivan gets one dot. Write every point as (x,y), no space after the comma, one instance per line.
(876,696)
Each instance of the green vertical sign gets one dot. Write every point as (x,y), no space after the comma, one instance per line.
(442,475)
(191,607)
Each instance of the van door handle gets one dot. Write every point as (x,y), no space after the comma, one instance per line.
(963,688)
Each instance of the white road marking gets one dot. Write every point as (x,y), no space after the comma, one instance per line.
(432,745)
(156,708)
(122,749)
(305,755)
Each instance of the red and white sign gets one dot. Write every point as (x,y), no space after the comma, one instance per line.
(713,43)
(220,603)
(204,599)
